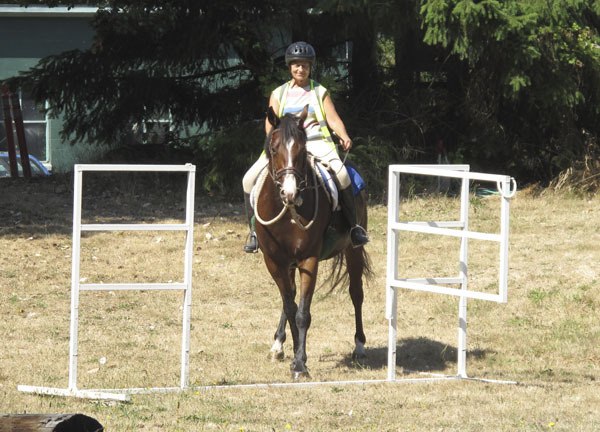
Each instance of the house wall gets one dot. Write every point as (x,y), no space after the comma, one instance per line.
(26,36)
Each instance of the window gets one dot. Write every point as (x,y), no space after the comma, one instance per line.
(153,131)
(34,122)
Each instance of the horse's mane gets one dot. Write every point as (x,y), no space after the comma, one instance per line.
(288,126)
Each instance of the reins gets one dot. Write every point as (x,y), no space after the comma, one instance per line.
(289,206)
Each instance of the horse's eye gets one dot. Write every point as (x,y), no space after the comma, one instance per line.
(274,145)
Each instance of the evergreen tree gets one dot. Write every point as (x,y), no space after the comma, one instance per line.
(200,62)
(530,77)
(510,86)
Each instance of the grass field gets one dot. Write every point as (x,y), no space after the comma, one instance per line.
(547,337)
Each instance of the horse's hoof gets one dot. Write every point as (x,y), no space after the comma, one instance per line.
(276,355)
(300,375)
(359,357)
(359,354)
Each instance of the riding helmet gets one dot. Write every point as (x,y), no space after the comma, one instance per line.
(300,51)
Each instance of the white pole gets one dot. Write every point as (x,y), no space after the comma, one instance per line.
(392,270)
(73,352)
(504,228)
(188,262)
(463,274)
(392,336)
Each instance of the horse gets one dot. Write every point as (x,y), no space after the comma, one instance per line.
(293,216)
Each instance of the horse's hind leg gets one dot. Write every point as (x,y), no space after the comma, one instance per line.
(355,265)
(277,352)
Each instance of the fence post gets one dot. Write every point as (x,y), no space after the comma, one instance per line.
(20,129)
(8,126)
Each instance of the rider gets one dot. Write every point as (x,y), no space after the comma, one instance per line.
(291,97)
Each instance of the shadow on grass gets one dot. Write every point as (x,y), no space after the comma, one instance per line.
(414,354)
(44,205)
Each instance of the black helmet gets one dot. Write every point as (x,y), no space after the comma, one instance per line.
(300,51)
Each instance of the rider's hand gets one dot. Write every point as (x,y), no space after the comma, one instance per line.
(346,143)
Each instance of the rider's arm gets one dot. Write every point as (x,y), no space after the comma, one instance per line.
(335,123)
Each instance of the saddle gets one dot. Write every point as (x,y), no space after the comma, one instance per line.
(358,184)
(334,232)
(325,178)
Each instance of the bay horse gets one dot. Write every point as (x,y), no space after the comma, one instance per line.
(293,218)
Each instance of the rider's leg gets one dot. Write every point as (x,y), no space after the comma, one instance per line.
(358,235)
(248,182)
(251,245)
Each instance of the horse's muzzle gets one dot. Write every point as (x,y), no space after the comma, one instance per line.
(288,179)
(288,189)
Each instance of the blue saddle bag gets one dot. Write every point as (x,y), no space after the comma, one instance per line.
(358,183)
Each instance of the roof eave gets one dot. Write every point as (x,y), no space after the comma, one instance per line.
(45,11)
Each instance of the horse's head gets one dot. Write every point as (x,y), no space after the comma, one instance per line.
(286,150)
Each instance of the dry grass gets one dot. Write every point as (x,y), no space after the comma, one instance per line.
(583,175)
(547,336)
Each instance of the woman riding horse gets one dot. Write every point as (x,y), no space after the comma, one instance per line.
(292,97)
(295,219)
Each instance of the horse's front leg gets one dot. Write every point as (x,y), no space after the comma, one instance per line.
(277,352)
(281,274)
(308,278)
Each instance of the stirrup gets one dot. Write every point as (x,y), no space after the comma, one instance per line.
(251,245)
(358,236)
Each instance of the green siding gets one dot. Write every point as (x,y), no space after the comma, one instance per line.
(63,155)
(40,36)
(23,42)
(10,67)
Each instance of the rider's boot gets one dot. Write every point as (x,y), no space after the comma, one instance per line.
(358,235)
(251,245)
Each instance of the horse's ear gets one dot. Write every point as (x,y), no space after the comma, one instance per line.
(272,117)
(303,116)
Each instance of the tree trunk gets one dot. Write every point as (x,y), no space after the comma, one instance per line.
(48,423)
(363,68)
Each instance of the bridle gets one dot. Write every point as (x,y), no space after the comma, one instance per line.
(301,176)
(277,176)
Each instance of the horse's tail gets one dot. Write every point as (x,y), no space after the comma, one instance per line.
(339,276)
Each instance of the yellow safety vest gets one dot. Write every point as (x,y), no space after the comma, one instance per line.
(320,112)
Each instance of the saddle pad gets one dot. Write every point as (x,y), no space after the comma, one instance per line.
(257,188)
(329,184)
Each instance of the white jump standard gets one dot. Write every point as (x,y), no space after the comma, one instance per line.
(77,286)
(459,228)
